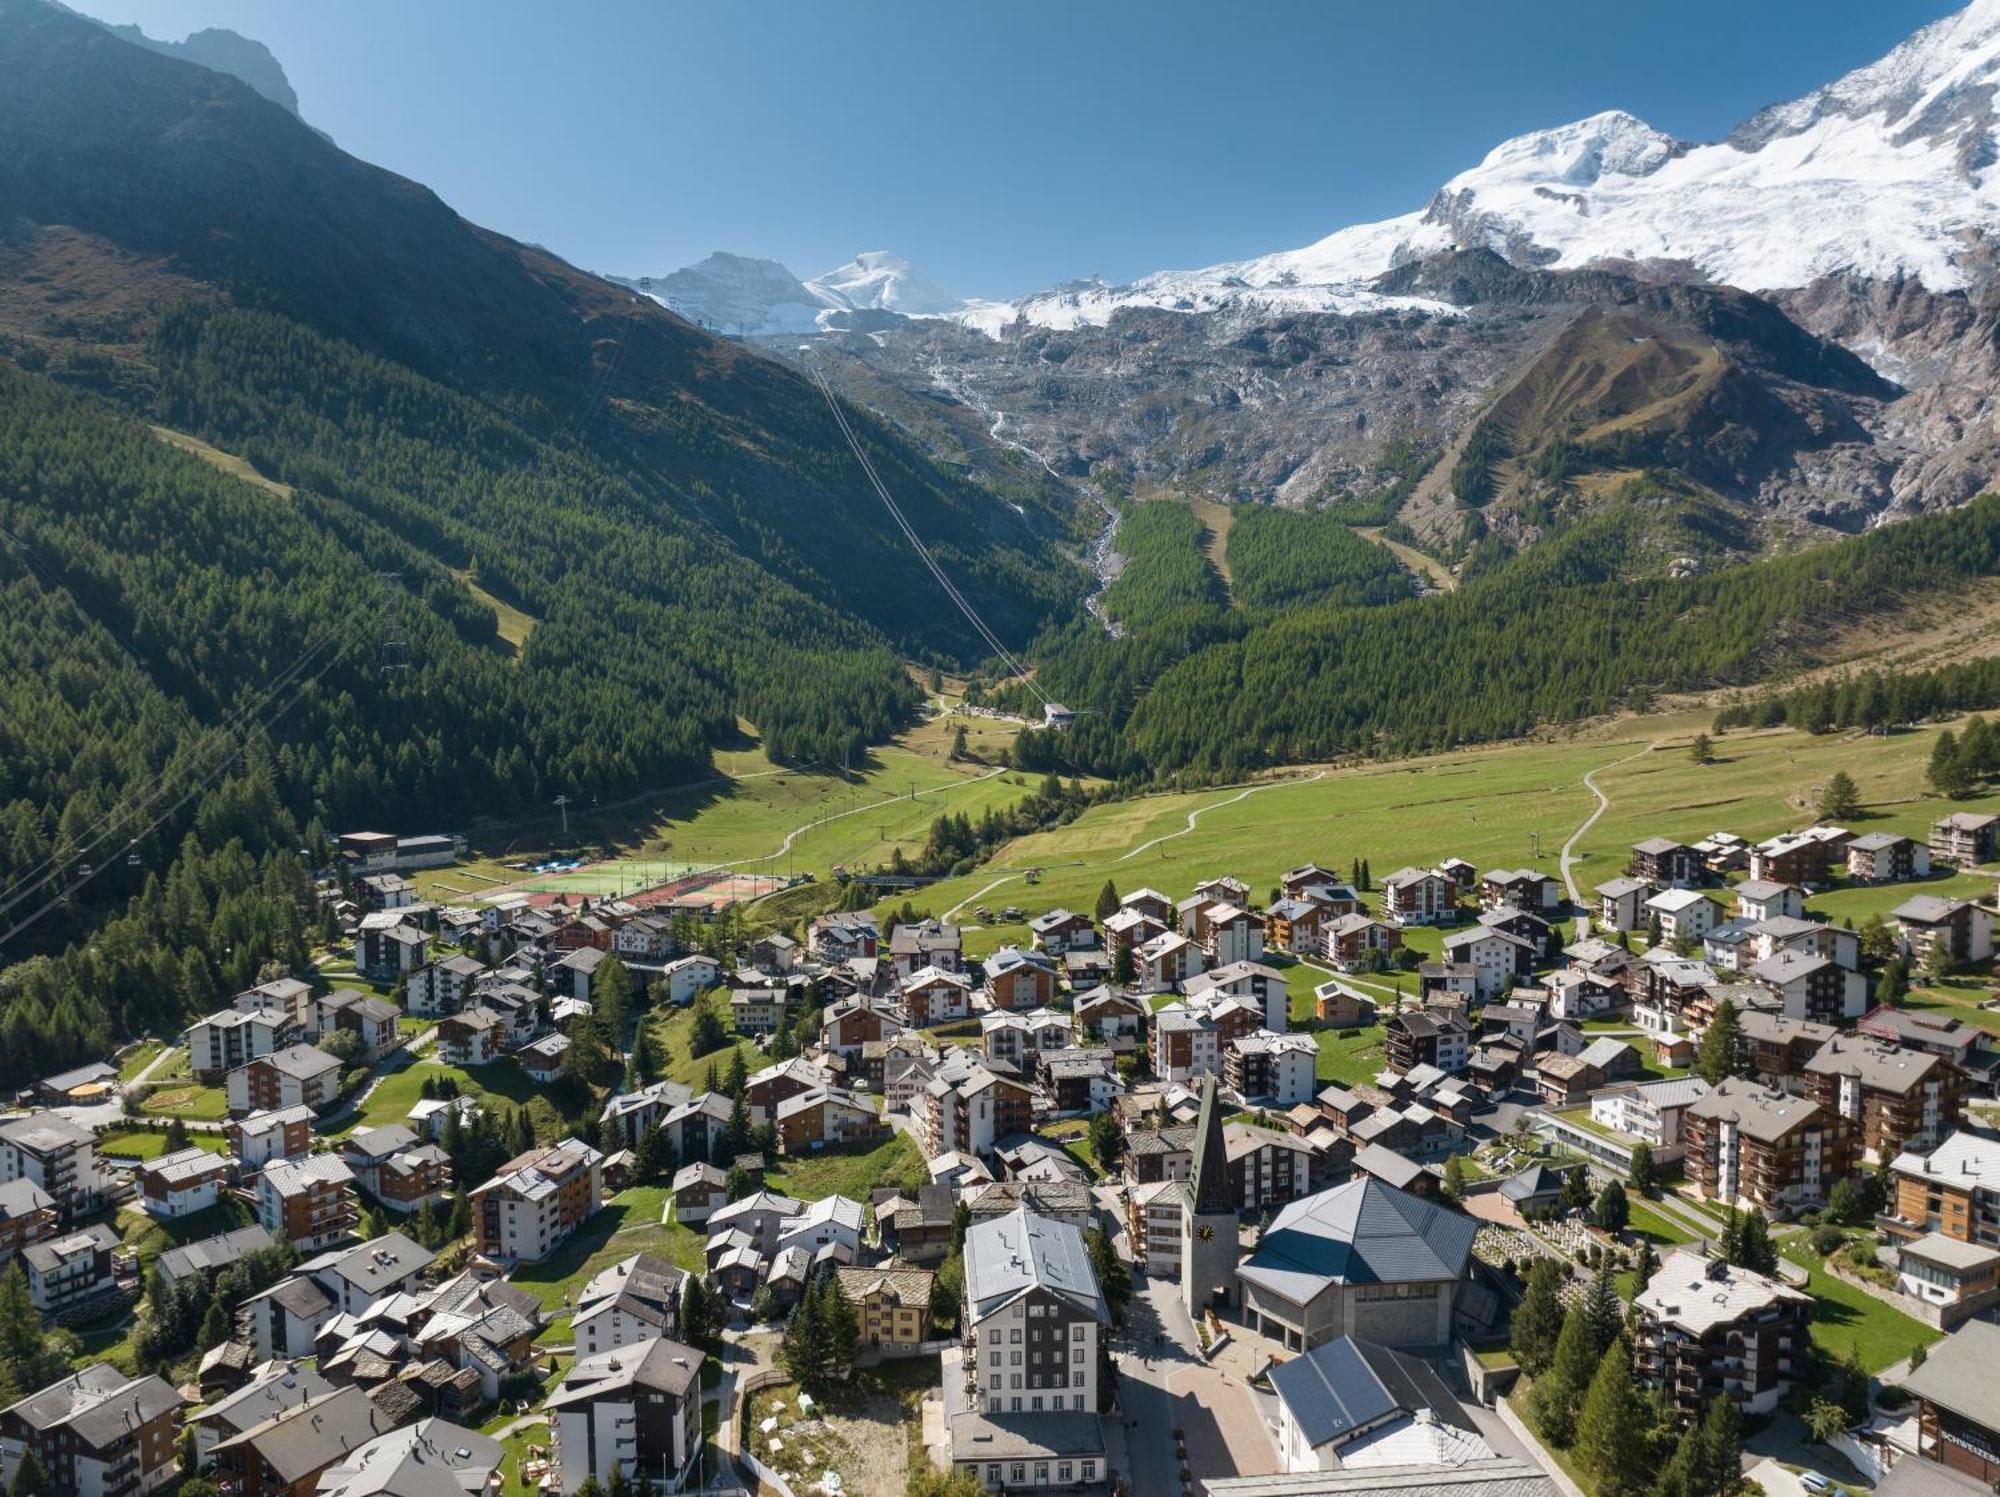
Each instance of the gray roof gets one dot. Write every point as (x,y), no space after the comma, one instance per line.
(657,1365)
(1501,1477)
(1958,1374)
(1344,1386)
(1913,1476)
(380,1263)
(1363,1232)
(433,1459)
(272,1388)
(308,1437)
(1006,1256)
(23,1197)
(99,1405)
(212,1253)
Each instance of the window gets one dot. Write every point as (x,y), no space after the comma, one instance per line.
(1062,1471)
(1090,1470)
(1020,1471)
(1035,1403)
(1076,1355)
(1017,1384)
(1077,1401)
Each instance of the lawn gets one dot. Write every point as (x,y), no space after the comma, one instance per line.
(499,1087)
(743,816)
(1657,1227)
(814,1176)
(1073,1135)
(1507,804)
(628,1223)
(207,1104)
(1350,1056)
(139,1059)
(673,1029)
(1845,1316)
(145,1143)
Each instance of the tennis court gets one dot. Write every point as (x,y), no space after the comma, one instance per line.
(614,877)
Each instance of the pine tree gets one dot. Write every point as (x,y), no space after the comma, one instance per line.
(1730,1246)
(1538,1320)
(1644,1176)
(1611,1428)
(217,1326)
(461,1216)
(1947,771)
(1702,750)
(1893,983)
(1754,1248)
(1107,900)
(709,1082)
(1840,797)
(1720,1445)
(644,1067)
(1600,1305)
(1576,1189)
(31,1477)
(739,1073)
(1557,1396)
(1367,878)
(1611,1211)
(177,1136)
(805,1351)
(1717,1057)
(843,1331)
(1454,1178)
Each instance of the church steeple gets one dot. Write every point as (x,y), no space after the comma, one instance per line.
(1208,1186)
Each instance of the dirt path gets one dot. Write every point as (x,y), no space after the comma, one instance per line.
(1603,804)
(1201,811)
(1427,567)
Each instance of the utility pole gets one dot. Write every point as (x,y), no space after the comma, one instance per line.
(562,804)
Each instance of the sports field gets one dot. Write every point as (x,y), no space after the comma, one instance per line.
(1502,806)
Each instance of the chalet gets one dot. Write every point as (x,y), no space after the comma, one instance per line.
(1298,925)
(1276,1069)
(1760,899)
(1442,982)
(846,1027)
(1802,858)
(1523,888)
(442,987)
(1299,882)
(1016,979)
(1946,1035)
(1765,1151)
(1621,903)
(1564,1080)
(1666,864)
(542,1059)
(775,953)
(1704,1324)
(1103,1013)
(1085,966)
(1806,985)
(827,1117)
(843,937)
(779,1082)
(1076,1082)
(700,1190)
(1494,956)
(278,1133)
(760,1008)
(1130,929)
(644,940)
(932,995)
(1358,942)
(1417,896)
(371,1020)
(1149,902)
(1947,932)
(1684,914)
(1577,995)
(1166,961)
(916,945)
(1887,858)
(689,976)
(387,948)
(536,1201)
(180,1183)
(1893,1099)
(915,1227)
(1231,933)
(1184,1043)
(1723,853)
(307,1202)
(94,1433)
(1776,1048)
(473,1036)
(1542,938)
(297,1076)
(1016,1038)
(1263,986)
(1964,838)
(1059,931)
(1414,1037)
(1338,1006)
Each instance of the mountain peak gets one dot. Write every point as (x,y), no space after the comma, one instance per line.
(881,281)
(1579,153)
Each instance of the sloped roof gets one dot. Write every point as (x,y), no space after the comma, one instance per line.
(1363,1232)
(1345,1386)
(1006,1256)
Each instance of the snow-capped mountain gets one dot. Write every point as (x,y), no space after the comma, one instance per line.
(746,297)
(1887,174)
(879,281)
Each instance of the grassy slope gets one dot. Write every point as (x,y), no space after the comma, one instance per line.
(747,814)
(1484,804)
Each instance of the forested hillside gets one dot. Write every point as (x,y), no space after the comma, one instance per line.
(1560,633)
(203,675)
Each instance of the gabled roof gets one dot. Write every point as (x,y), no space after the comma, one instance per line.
(657,1365)
(1345,1387)
(1008,1256)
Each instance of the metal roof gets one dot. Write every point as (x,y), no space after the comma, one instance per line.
(1363,1232)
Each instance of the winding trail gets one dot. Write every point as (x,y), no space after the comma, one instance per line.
(1603,804)
(1193,817)
(874,805)
(1200,811)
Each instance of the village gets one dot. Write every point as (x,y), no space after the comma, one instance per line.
(1358,1182)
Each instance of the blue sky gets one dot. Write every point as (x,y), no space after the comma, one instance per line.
(1005,145)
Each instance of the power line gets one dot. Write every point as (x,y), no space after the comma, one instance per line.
(991,639)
